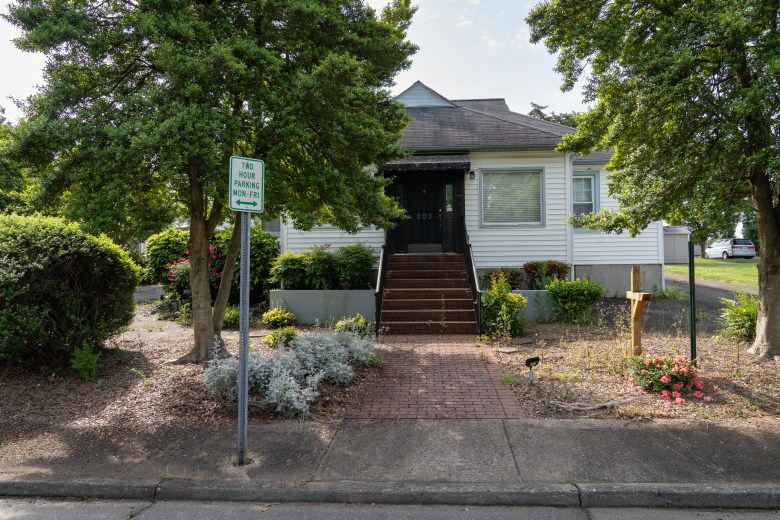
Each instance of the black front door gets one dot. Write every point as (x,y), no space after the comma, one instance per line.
(424,209)
(434,207)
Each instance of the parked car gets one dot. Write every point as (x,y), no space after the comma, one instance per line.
(731,247)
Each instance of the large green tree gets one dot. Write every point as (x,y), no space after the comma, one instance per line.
(688,95)
(151,98)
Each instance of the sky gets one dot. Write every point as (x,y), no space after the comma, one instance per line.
(468,49)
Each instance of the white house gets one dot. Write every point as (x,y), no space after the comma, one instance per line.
(478,163)
(482,173)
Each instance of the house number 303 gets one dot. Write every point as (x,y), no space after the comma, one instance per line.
(425,216)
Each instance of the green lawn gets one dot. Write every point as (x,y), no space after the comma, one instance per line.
(739,271)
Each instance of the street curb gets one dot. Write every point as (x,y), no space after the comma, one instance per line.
(555,495)
(697,496)
(104,488)
(586,495)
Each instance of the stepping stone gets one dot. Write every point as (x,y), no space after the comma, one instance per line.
(505,350)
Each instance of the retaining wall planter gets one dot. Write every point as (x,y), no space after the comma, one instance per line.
(540,305)
(313,306)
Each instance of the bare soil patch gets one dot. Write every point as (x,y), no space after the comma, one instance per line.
(587,365)
(139,392)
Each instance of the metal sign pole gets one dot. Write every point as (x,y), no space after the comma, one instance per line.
(243,352)
(692,292)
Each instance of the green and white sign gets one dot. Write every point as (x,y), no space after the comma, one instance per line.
(247,178)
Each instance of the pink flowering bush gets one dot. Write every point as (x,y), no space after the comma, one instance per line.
(671,377)
(177,283)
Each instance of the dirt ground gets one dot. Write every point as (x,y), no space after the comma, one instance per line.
(583,368)
(140,393)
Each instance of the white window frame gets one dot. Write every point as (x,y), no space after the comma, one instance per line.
(542,199)
(595,190)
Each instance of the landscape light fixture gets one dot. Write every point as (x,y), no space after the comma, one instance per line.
(531,362)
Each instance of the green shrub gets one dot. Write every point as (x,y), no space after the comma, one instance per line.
(574,298)
(263,250)
(161,250)
(60,289)
(289,270)
(354,266)
(355,325)
(86,362)
(281,337)
(500,308)
(739,317)
(278,317)
(514,277)
(540,274)
(232,317)
(320,269)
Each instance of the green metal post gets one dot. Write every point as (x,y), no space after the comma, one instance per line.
(692,292)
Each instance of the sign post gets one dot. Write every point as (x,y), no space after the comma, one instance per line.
(247,179)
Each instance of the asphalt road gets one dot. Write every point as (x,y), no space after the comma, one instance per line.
(172,510)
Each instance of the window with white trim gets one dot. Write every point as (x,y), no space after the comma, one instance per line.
(584,200)
(512,197)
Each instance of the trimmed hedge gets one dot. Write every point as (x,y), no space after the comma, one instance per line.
(540,274)
(319,269)
(60,289)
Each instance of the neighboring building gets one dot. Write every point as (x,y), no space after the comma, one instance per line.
(676,244)
(482,173)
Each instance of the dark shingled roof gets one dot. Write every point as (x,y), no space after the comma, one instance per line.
(429,162)
(478,124)
(595,158)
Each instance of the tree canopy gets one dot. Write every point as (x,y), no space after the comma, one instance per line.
(145,101)
(688,96)
(564,118)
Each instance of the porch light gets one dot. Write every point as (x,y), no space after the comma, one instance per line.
(472,175)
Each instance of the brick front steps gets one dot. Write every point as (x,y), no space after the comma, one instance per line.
(427,294)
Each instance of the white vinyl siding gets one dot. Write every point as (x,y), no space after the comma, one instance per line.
(513,245)
(595,248)
(513,197)
(296,241)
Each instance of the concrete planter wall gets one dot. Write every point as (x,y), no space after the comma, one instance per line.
(540,304)
(312,306)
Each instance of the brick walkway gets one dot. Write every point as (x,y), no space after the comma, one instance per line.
(438,377)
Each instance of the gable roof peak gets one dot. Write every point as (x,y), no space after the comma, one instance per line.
(421,95)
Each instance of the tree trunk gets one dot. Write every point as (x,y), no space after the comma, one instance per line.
(702,247)
(764,194)
(199,257)
(225,283)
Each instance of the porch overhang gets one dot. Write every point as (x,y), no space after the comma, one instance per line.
(428,163)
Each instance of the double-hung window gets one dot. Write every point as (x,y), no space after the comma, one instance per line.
(512,197)
(585,199)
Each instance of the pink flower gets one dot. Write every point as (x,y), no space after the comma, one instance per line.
(676,394)
(665,379)
(716,388)
(698,394)
(707,398)
(678,385)
(668,405)
(664,394)
(679,400)
(648,361)
(684,370)
(699,384)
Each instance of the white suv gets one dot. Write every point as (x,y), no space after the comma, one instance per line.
(731,247)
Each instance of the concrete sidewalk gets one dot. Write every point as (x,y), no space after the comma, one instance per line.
(574,463)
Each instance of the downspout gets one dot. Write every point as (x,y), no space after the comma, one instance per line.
(568,169)
(661,253)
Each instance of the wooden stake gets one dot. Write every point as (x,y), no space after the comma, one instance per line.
(638,300)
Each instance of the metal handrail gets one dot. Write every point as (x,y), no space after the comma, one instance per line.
(380,289)
(476,292)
